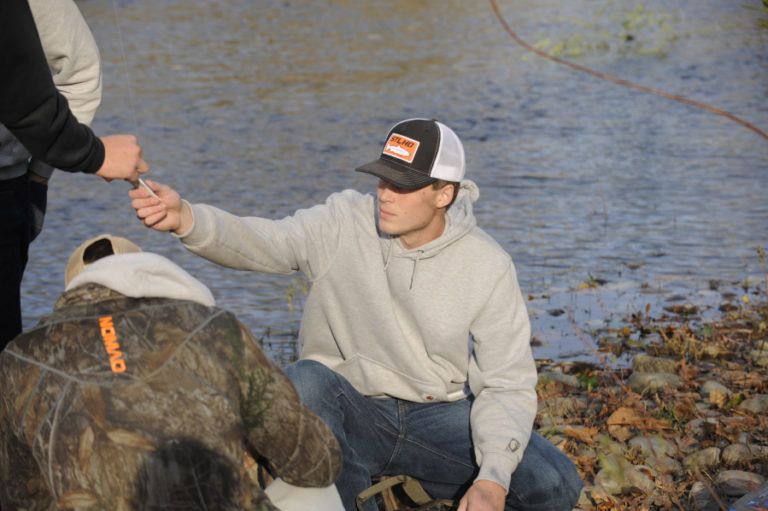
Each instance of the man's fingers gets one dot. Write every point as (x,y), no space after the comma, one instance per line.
(142,166)
(154,219)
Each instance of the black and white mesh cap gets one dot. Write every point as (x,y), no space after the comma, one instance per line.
(417,153)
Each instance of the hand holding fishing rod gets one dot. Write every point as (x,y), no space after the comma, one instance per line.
(160,207)
(123,158)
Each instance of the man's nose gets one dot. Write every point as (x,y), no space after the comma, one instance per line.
(385,191)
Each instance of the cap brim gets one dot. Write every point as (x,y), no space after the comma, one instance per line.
(397,175)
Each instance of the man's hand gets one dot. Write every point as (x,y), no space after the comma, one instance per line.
(483,496)
(165,212)
(122,158)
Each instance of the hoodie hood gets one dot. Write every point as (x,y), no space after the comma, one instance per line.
(459,220)
(144,275)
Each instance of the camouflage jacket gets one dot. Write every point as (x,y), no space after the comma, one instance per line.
(119,403)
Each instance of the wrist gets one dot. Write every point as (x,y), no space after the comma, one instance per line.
(186,220)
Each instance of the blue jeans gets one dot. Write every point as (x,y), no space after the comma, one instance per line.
(428,441)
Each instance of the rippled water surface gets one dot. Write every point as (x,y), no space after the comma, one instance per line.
(265,107)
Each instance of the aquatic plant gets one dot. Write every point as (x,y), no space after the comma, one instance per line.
(617,27)
(763,22)
(294,294)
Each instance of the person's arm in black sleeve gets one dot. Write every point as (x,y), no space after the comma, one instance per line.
(31,107)
(39,116)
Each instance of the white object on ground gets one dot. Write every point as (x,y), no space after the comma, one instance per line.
(294,498)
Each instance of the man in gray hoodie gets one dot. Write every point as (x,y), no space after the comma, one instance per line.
(415,339)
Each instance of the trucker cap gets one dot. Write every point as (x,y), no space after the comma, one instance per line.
(417,153)
(93,250)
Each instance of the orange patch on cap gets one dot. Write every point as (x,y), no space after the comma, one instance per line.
(400,147)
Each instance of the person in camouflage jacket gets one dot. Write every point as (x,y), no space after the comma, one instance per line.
(137,393)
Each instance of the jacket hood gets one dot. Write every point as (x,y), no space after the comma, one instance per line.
(458,222)
(144,275)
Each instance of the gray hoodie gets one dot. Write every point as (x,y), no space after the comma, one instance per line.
(426,324)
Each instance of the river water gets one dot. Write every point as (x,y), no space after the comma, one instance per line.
(265,107)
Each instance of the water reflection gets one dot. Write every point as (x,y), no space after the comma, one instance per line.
(263,107)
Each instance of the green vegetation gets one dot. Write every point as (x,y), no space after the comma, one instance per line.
(625,29)
(297,290)
(763,22)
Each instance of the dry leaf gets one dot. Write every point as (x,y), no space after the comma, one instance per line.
(586,435)
(620,433)
(624,416)
(630,417)
(718,397)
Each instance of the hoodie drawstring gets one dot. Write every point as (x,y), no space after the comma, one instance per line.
(389,254)
(415,262)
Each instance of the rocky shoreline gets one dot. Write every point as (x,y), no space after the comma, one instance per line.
(686,427)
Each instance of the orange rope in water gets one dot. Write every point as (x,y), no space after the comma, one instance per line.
(619,80)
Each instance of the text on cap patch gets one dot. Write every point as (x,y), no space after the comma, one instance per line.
(401,147)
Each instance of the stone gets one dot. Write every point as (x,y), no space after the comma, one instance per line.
(652,445)
(699,427)
(757,404)
(663,464)
(653,382)
(735,454)
(736,483)
(648,364)
(759,357)
(619,476)
(706,409)
(702,498)
(703,460)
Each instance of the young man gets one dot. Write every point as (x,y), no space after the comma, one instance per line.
(415,336)
(137,393)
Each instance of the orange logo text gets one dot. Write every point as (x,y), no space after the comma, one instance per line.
(109,336)
(401,147)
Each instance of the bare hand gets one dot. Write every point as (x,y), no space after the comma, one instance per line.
(166,212)
(123,158)
(483,496)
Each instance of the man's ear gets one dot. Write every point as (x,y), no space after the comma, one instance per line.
(445,195)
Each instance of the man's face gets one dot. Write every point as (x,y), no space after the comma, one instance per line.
(416,216)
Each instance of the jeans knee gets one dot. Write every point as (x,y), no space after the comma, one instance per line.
(311,379)
(546,479)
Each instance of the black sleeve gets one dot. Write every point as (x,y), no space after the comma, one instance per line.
(31,107)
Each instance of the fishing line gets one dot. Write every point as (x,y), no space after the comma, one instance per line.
(126,71)
(620,81)
(139,182)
